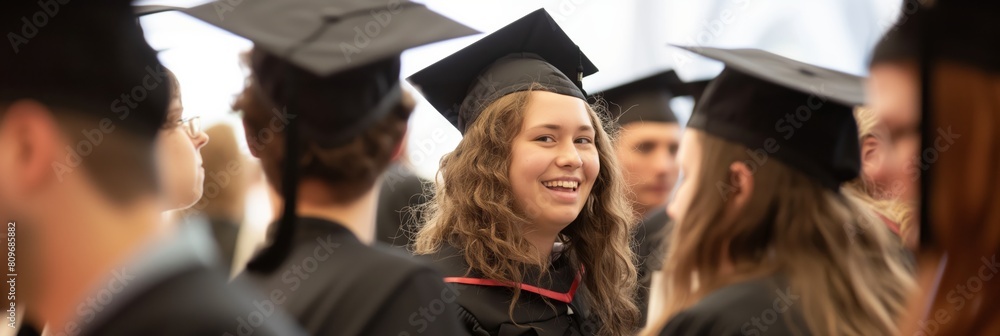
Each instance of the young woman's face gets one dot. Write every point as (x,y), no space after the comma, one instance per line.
(554,160)
(181,173)
(647,152)
(689,161)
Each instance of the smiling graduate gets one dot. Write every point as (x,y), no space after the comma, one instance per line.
(529,221)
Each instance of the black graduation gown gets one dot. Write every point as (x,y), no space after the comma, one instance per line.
(554,307)
(333,284)
(756,307)
(177,288)
(650,249)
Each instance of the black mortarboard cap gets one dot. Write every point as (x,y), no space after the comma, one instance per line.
(805,112)
(319,39)
(87,59)
(153,9)
(333,66)
(532,49)
(646,99)
(324,37)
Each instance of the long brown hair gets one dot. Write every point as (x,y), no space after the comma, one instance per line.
(843,268)
(964,209)
(474,210)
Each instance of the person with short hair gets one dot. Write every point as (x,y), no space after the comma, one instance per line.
(83,99)
(325,129)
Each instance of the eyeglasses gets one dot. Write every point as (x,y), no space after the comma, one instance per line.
(192,125)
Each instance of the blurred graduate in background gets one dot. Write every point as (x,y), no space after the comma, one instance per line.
(83,183)
(646,146)
(938,84)
(764,241)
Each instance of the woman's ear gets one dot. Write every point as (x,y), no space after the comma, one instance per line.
(741,178)
(871,156)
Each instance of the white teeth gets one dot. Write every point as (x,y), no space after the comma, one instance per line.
(562,184)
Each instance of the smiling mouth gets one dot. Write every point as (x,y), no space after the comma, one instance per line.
(570,186)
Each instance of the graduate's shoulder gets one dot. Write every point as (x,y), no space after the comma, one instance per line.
(331,251)
(448,260)
(745,308)
(198,301)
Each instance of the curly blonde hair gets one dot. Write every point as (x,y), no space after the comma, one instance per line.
(474,210)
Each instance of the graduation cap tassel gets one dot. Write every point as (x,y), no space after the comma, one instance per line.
(281,247)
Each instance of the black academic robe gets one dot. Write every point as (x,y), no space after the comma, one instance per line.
(764,306)
(333,284)
(554,306)
(177,288)
(197,302)
(650,249)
